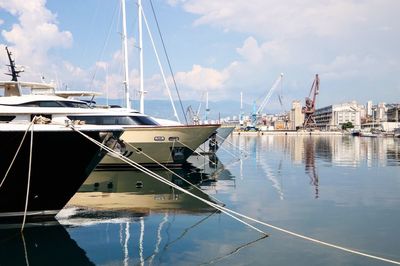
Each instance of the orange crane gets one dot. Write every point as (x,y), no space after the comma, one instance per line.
(309,109)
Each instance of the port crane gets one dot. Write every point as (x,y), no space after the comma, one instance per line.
(309,109)
(258,112)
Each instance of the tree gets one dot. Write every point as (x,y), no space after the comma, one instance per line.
(347,125)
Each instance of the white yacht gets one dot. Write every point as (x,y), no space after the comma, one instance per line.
(147,141)
(45,158)
(150,141)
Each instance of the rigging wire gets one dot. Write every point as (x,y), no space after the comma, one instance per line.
(106,41)
(167,57)
(160,66)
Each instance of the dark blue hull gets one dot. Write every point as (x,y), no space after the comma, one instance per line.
(61,162)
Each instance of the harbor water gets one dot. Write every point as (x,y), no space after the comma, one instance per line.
(341,190)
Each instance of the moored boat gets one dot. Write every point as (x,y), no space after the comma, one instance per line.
(43,165)
(148,142)
(216,140)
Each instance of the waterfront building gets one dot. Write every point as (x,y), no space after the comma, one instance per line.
(393,113)
(332,117)
(296,117)
(380,112)
(369,108)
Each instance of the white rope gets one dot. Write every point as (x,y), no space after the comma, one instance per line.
(170,171)
(162,179)
(16,153)
(237,147)
(25,250)
(221,147)
(230,212)
(29,177)
(194,151)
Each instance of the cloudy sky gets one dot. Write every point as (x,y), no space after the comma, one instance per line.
(223,47)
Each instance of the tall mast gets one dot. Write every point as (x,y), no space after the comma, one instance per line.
(141,89)
(125,51)
(241,109)
(207,108)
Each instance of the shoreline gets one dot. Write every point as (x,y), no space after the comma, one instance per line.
(289,132)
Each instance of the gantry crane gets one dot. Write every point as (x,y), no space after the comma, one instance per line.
(309,109)
(257,113)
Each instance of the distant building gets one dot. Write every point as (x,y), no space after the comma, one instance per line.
(369,108)
(393,113)
(332,117)
(296,117)
(380,112)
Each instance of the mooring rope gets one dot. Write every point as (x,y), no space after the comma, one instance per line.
(237,147)
(194,151)
(226,150)
(162,179)
(16,154)
(29,178)
(25,250)
(231,212)
(30,126)
(170,171)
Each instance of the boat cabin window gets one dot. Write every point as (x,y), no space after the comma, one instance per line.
(114,120)
(54,104)
(7,118)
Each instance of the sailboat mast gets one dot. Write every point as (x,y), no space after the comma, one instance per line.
(141,89)
(241,109)
(207,109)
(125,51)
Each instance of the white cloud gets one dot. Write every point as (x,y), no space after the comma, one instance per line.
(344,41)
(347,42)
(250,50)
(35,34)
(200,78)
(287,18)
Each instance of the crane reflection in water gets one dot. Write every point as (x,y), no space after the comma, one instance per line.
(309,162)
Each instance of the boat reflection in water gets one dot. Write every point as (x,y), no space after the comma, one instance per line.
(48,244)
(135,212)
(212,166)
(127,190)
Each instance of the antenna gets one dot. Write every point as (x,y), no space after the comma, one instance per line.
(14,72)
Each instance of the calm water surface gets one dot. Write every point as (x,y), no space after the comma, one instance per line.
(340,189)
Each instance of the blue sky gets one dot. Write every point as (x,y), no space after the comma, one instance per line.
(223,47)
